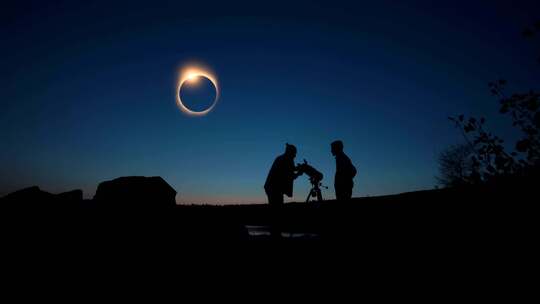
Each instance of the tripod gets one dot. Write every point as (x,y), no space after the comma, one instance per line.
(315,190)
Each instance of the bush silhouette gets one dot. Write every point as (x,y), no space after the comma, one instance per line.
(490,161)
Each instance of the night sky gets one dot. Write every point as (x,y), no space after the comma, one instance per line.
(88,90)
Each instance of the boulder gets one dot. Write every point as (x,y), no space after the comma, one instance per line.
(74,196)
(31,195)
(135,192)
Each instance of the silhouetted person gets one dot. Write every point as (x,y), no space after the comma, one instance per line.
(278,183)
(345,172)
(281,177)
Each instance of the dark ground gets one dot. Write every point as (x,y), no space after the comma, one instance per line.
(461,217)
(470,237)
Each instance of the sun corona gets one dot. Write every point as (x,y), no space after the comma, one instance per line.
(191,74)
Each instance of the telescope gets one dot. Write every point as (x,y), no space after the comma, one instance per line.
(315,178)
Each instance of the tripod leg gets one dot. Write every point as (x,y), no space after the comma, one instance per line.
(308,196)
(319,195)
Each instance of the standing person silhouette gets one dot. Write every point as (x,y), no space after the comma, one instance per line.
(345,172)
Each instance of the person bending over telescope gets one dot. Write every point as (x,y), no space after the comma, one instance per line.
(281,177)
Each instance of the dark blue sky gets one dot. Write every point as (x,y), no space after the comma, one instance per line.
(88,90)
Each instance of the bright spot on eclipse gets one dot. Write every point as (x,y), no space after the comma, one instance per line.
(192,78)
(192,74)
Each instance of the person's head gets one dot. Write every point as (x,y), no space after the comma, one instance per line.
(336,147)
(290,151)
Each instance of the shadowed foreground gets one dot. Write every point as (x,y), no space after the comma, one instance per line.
(470,236)
(449,217)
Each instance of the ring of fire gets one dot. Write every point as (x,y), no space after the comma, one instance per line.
(191,74)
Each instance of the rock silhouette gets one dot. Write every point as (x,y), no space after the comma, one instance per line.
(28,194)
(35,198)
(136,192)
(73,196)
(131,210)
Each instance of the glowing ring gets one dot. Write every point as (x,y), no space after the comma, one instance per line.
(190,74)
